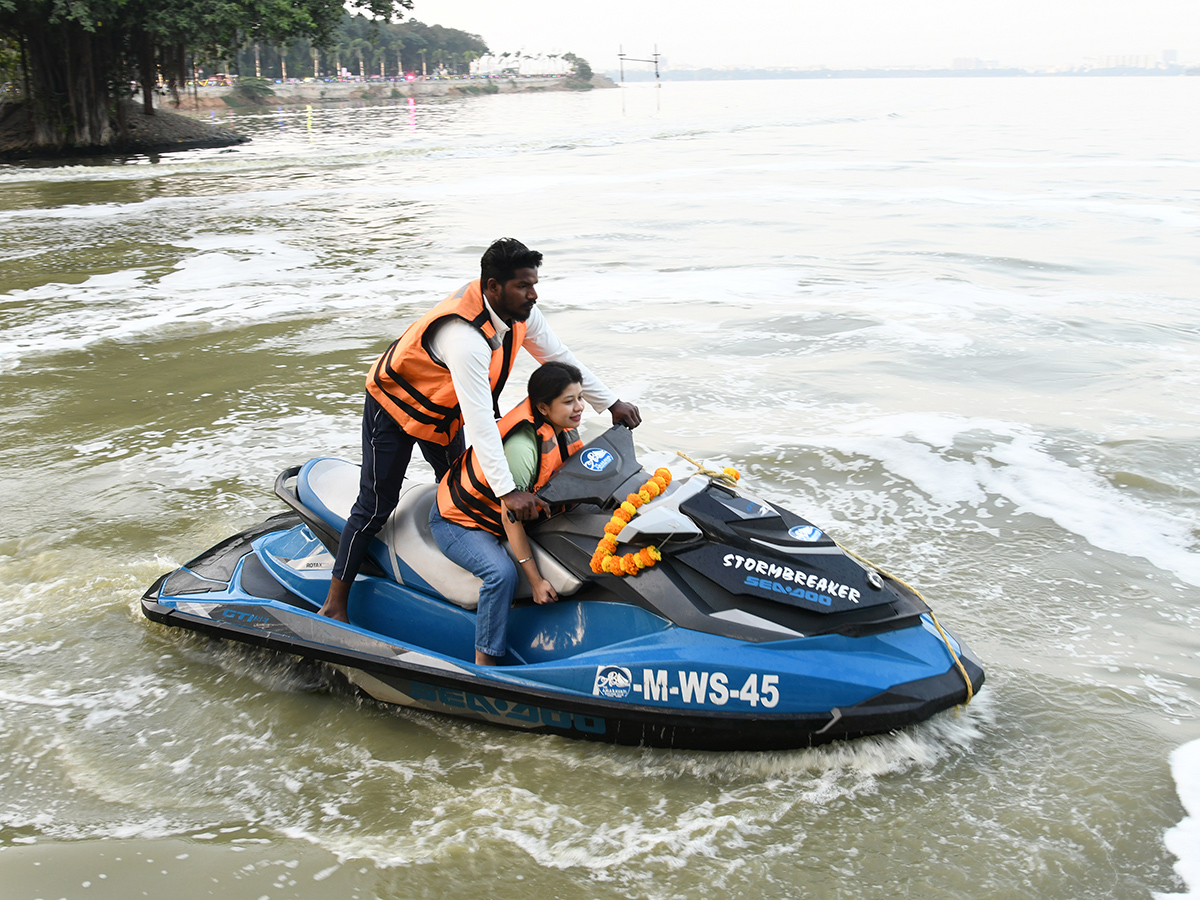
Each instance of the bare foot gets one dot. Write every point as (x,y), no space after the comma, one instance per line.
(482,659)
(337,603)
(333,611)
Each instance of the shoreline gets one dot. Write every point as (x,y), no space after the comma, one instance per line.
(173,128)
(303,93)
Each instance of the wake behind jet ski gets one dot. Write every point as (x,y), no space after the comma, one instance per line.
(754,631)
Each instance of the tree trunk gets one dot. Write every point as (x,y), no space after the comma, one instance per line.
(70,96)
(147,69)
(25,67)
(174,69)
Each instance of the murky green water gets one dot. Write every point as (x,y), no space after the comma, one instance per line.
(953,321)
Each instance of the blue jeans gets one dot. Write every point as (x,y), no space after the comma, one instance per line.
(482,553)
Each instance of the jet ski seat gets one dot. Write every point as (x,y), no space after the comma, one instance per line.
(404,547)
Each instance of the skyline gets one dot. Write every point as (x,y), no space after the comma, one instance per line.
(859,34)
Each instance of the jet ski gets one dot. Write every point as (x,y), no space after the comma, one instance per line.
(753,631)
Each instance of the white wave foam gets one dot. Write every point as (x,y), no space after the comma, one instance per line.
(1184,839)
(228,281)
(223,455)
(734,797)
(1016,463)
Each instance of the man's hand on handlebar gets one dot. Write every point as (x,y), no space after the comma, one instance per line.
(625,414)
(522,506)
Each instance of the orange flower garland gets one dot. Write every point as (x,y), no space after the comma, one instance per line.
(605,558)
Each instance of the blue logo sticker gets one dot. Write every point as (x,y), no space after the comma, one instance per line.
(614,682)
(807,533)
(597,460)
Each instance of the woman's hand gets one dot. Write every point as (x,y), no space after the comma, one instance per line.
(543,592)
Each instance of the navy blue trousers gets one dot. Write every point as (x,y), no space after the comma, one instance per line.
(387,450)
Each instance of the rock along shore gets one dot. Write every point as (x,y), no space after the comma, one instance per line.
(160,133)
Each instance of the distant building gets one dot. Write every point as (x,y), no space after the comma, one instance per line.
(1129,61)
(971,62)
(520,64)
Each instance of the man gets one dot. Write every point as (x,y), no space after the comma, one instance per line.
(448,369)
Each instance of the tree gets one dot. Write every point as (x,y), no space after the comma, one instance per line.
(81,56)
(579,66)
(420,42)
(12,76)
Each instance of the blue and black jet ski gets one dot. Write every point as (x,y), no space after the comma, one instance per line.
(756,631)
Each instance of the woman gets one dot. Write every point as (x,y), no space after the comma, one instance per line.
(470,524)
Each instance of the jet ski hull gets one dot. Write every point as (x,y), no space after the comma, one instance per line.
(592,667)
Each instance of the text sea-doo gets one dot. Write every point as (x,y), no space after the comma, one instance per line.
(754,632)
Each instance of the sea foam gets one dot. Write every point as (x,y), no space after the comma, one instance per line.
(1020,465)
(1184,839)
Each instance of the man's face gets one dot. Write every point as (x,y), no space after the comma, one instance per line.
(516,297)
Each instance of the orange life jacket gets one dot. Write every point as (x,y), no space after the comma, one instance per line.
(464,496)
(414,386)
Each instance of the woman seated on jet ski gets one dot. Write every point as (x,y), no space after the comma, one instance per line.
(470,523)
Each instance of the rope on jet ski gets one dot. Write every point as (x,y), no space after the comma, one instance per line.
(958,662)
(936,624)
(729,475)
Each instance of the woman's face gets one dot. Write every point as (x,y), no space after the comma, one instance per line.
(566,410)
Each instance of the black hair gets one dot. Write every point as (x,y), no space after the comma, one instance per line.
(502,259)
(549,380)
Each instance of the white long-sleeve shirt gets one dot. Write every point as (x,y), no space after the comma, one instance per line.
(468,357)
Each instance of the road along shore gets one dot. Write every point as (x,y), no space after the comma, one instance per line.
(221,97)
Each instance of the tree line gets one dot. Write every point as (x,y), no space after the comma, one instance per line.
(78,58)
(362,46)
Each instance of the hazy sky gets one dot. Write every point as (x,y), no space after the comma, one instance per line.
(841,33)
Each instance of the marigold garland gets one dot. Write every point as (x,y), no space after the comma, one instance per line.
(605,558)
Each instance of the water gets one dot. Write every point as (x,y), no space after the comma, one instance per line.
(953,321)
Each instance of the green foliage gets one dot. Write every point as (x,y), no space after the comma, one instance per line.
(106,44)
(579,67)
(401,46)
(364,47)
(10,66)
(253,90)
(473,89)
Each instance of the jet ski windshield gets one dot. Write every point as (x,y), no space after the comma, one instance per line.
(598,473)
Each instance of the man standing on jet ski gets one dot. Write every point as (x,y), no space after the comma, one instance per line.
(447,370)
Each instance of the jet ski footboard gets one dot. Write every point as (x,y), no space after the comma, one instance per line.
(285,490)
